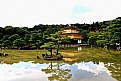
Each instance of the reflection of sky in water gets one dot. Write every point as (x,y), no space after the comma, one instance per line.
(88,71)
(93,68)
(28,71)
(23,71)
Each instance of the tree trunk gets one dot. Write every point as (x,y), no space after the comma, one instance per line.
(51,51)
(57,48)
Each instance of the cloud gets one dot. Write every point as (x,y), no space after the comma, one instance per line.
(32,12)
(100,10)
(23,71)
(93,68)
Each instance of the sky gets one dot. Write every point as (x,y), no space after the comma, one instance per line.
(33,12)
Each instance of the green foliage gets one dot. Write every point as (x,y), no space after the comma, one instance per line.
(101,42)
(7,43)
(19,43)
(5,37)
(20,31)
(85,35)
(112,34)
(53,42)
(97,33)
(35,39)
(14,37)
(27,39)
(108,36)
(49,45)
(9,30)
(93,38)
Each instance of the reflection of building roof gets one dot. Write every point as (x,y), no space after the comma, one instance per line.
(70,27)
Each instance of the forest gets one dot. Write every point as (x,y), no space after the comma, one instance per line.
(100,34)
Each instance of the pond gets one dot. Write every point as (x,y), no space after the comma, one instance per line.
(60,71)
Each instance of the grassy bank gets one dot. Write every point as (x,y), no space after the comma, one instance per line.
(100,53)
(92,54)
(21,55)
(87,54)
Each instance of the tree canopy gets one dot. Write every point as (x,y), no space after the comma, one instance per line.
(98,34)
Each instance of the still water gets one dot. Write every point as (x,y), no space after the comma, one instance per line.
(60,71)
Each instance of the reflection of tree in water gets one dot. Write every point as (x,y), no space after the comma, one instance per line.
(115,69)
(57,73)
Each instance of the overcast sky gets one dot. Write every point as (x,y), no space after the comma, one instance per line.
(33,12)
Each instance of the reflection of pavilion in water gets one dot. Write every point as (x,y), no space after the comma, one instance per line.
(57,73)
(80,71)
(79,48)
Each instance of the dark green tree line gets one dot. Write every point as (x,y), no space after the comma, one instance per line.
(106,33)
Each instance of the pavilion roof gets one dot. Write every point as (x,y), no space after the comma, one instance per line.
(70,27)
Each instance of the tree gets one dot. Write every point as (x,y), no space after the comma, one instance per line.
(9,30)
(93,38)
(27,39)
(49,46)
(14,37)
(20,31)
(7,43)
(19,43)
(101,43)
(53,42)
(40,27)
(1,42)
(85,35)
(36,39)
(5,37)
(44,39)
(111,35)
